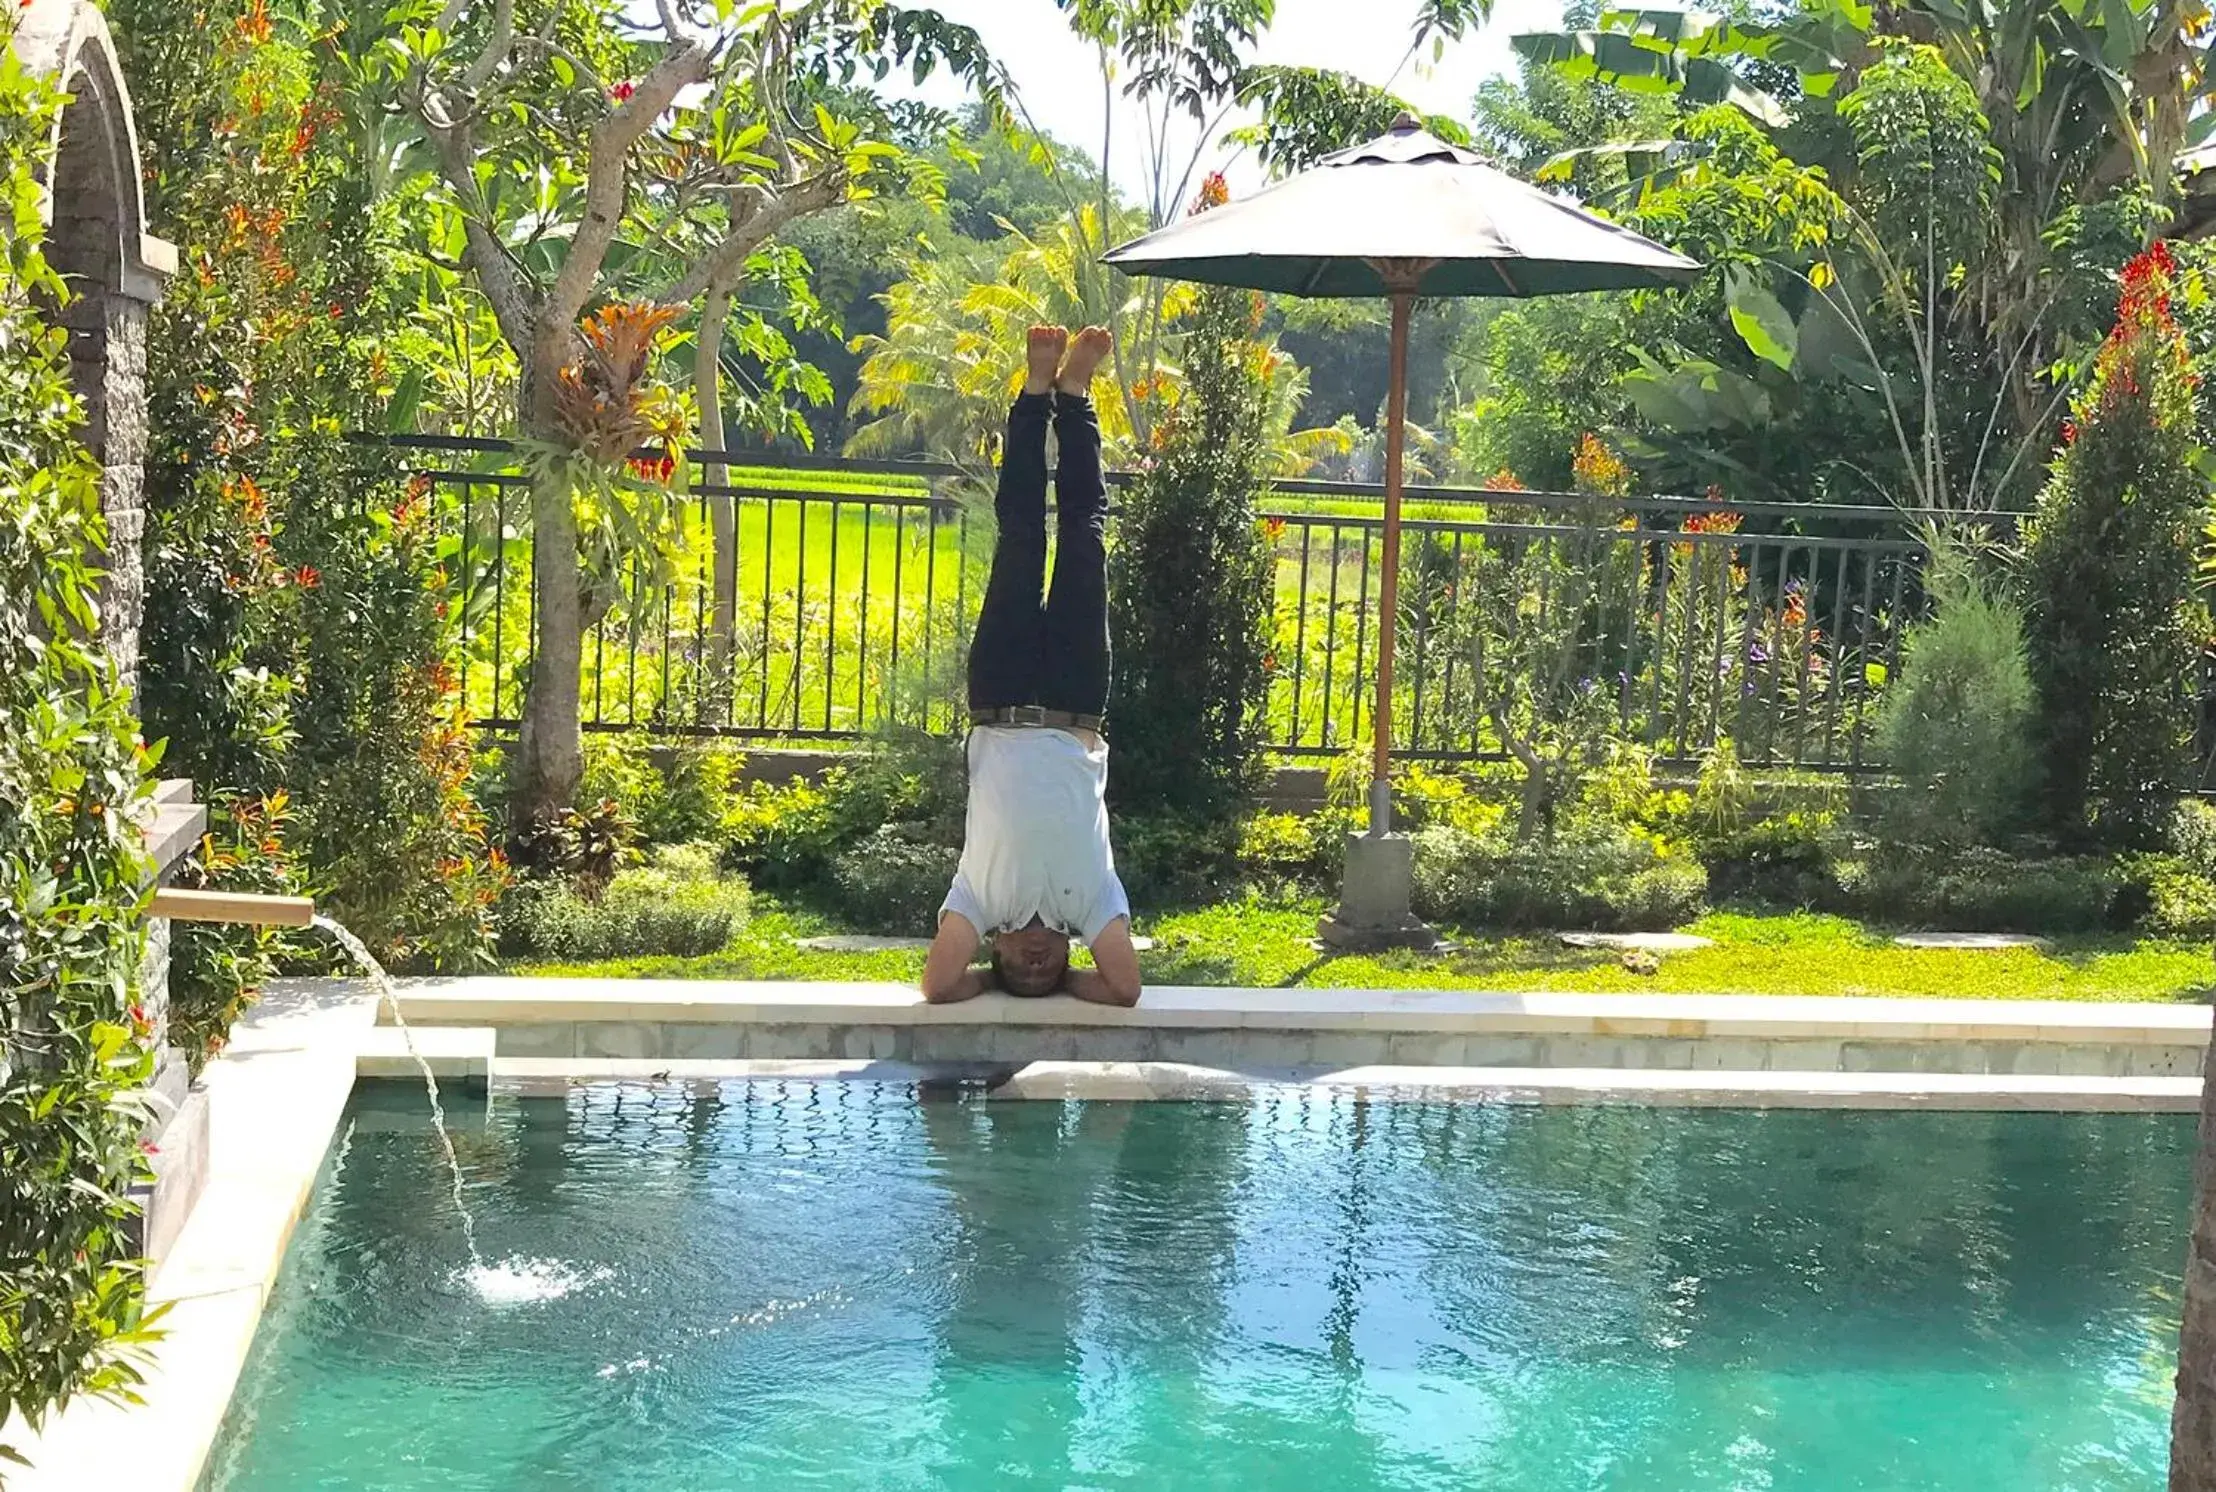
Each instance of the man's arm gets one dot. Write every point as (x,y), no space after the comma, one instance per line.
(1114,977)
(947,975)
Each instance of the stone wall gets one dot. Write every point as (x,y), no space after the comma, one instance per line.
(97,240)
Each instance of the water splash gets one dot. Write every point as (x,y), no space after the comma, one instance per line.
(519,1281)
(479,1272)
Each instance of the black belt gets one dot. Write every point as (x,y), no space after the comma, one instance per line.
(1035,715)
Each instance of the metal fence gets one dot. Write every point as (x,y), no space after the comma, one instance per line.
(850,588)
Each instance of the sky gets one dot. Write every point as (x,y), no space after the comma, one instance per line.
(1059,80)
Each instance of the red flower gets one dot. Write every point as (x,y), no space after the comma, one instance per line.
(307,577)
(148,1147)
(622,92)
(2069,432)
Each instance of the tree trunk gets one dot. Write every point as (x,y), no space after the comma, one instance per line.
(550,755)
(723,596)
(2193,1422)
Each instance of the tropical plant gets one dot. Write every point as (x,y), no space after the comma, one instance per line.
(75,1046)
(940,377)
(2115,623)
(590,159)
(1955,726)
(292,586)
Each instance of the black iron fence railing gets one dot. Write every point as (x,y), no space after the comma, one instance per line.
(846,589)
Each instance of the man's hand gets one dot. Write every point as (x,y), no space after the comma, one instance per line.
(947,975)
(1114,977)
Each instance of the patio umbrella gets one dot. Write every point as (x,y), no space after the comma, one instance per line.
(1403,216)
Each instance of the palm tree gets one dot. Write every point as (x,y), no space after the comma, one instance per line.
(943,372)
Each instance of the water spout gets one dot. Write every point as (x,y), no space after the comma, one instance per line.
(478,1271)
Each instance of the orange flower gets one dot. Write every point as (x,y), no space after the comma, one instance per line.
(307,577)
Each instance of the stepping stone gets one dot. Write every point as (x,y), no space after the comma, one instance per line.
(1983,941)
(1643,942)
(866,943)
(862,943)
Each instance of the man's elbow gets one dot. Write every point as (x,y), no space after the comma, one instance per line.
(1123,992)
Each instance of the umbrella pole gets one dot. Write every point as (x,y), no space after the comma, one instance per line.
(1388,621)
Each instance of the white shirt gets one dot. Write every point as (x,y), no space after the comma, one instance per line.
(1036,844)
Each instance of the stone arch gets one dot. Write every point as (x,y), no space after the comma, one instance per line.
(95,211)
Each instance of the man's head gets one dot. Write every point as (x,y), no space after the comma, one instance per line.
(1032,960)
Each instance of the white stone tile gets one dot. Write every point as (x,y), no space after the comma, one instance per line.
(1426,1049)
(703,1040)
(619,1039)
(537,1039)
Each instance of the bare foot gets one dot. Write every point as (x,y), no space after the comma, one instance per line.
(1042,355)
(1087,349)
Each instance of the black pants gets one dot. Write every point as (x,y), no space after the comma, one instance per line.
(1053,655)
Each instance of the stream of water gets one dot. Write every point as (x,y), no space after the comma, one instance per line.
(509,1281)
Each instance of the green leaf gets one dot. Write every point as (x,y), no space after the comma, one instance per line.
(1761,322)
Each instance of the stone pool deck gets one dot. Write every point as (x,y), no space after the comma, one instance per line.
(278,1095)
(1281,1031)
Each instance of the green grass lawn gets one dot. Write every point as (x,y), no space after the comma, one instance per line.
(1267,944)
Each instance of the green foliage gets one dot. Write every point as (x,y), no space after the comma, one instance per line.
(892,880)
(73,1042)
(298,622)
(1294,850)
(1168,860)
(909,789)
(675,794)
(217,969)
(1954,726)
(1190,582)
(1589,875)
(677,905)
(1983,890)
(2115,623)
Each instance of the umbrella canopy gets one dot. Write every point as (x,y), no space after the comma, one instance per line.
(1406,215)
(1472,230)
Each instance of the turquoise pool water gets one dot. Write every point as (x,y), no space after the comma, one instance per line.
(840,1286)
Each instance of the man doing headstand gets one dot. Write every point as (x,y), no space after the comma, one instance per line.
(1036,864)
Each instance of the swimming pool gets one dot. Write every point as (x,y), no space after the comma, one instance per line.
(851,1285)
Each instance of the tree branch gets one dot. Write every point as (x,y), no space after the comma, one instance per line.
(497,47)
(607,178)
(723,265)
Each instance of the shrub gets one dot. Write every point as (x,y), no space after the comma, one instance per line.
(1167,861)
(1986,890)
(784,837)
(2193,836)
(1955,727)
(299,625)
(74,1045)
(892,883)
(677,905)
(788,836)
(1289,848)
(2114,624)
(1588,875)
(1190,585)
(2180,899)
